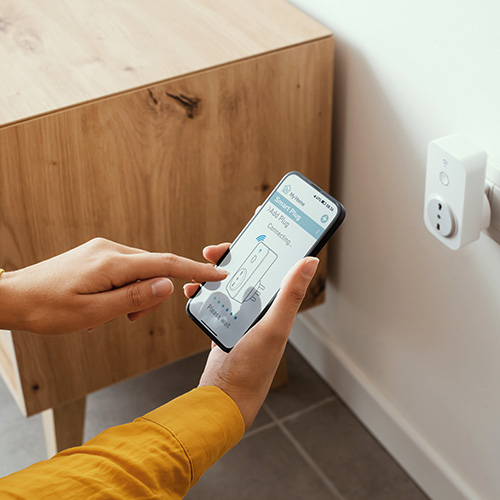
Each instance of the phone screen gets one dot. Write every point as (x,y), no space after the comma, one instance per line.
(295,220)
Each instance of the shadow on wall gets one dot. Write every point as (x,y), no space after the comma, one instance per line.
(383,261)
(420,321)
(391,156)
(378,172)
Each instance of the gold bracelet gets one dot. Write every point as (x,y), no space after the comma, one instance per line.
(2,271)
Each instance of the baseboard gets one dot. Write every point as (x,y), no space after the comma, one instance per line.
(410,449)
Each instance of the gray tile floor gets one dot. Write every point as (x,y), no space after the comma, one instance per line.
(305,444)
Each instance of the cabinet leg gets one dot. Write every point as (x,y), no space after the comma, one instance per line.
(63,426)
(281,375)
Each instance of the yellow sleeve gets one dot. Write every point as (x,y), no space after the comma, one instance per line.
(160,455)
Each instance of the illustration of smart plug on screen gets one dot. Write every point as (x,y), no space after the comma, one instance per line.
(246,282)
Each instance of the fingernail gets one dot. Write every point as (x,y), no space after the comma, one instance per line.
(224,272)
(162,287)
(309,268)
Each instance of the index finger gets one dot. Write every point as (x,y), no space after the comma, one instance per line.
(151,265)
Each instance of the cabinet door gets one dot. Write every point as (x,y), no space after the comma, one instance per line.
(171,168)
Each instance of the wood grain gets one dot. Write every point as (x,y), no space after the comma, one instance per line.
(9,370)
(63,426)
(58,53)
(172,167)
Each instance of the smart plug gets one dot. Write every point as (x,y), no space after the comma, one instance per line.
(456,207)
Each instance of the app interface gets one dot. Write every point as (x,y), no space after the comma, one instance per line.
(284,230)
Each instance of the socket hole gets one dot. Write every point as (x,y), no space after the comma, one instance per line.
(439,216)
(440,206)
(438,226)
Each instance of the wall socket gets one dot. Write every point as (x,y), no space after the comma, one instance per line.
(441,217)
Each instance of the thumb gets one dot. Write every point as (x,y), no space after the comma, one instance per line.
(131,298)
(278,321)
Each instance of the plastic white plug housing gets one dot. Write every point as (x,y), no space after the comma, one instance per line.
(456,207)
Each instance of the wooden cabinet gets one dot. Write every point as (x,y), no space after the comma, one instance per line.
(157,124)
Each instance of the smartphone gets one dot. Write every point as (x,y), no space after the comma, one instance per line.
(296,220)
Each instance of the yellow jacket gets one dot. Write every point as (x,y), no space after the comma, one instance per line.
(160,455)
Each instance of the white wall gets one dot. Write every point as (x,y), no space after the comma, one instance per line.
(416,324)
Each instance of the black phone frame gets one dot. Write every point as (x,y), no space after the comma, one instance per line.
(313,252)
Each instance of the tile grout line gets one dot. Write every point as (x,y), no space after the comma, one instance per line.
(299,413)
(258,430)
(296,414)
(303,453)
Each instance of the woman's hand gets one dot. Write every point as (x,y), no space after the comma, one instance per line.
(91,285)
(246,373)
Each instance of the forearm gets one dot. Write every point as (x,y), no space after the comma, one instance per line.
(13,311)
(160,455)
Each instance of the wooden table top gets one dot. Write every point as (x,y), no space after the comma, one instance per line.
(55,54)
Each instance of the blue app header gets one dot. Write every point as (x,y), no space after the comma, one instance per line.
(296,214)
